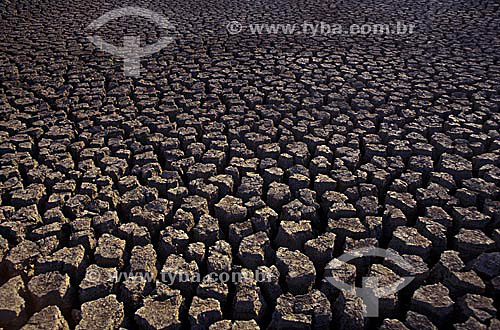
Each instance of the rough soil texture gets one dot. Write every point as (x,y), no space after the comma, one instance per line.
(237,153)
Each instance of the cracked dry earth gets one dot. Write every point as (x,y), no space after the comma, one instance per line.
(237,153)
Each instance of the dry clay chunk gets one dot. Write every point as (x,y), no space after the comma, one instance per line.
(12,305)
(49,318)
(103,313)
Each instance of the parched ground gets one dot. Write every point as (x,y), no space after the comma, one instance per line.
(269,154)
